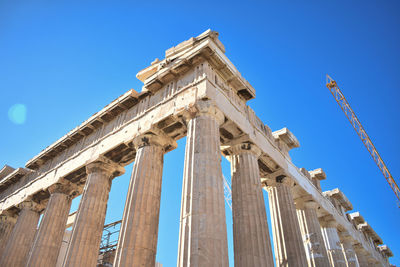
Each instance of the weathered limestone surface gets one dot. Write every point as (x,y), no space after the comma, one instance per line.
(312,235)
(361,254)
(48,240)
(88,227)
(386,253)
(350,255)
(203,236)
(21,238)
(348,250)
(243,118)
(332,243)
(137,244)
(252,243)
(7,222)
(288,243)
(194,70)
(63,249)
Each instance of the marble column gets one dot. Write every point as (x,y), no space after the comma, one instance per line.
(362,255)
(372,262)
(288,242)
(311,232)
(7,223)
(137,244)
(49,237)
(21,238)
(203,236)
(252,244)
(332,243)
(348,250)
(86,234)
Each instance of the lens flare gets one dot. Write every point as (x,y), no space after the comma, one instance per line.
(17,113)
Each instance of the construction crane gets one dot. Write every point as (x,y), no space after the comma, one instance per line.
(344,105)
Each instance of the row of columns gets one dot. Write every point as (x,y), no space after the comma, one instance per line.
(28,247)
(311,231)
(298,239)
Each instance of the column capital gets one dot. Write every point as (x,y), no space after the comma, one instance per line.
(205,107)
(154,139)
(371,260)
(64,187)
(360,249)
(346,237)
(8,216)
(279,177)
(102,164)
(241,148)
(31,205)
(306,203)
(328,222)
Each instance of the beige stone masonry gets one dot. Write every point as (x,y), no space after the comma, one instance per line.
(137,244)
(241,118)
(63,249)
(7,222)
(21,238)
(88,227)
(317,176)
(203,236)
(332,242)
(191,72)
(387,253)
(288,243)
(362,255)
(49,237)
(252,243)
(348,250)
(285,141)
(339,200)
(311,231)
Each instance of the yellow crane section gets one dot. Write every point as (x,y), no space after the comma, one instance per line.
(344,105)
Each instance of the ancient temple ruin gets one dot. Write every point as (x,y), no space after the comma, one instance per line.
(195,91)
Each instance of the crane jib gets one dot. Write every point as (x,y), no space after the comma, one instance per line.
(351,116)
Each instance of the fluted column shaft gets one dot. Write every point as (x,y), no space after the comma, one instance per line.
(350,255)
(137,244)
(288,243)
(312,236)
(333,244)
(7,223)
(252,244)
(203,236)
(361,254)
(86,234)
(21,238)
(48,240)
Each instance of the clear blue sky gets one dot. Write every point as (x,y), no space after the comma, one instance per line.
(62,62)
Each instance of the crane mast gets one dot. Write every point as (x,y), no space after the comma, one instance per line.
(348,111)
(227,192)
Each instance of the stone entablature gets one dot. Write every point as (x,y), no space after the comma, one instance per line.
(386,251)
(13,180)
(339,200)
(285,140)
(356,218)
(193,72)
(371,237)
(317,176)
(96,121)
(184,56)
(367,229)
(6,170)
